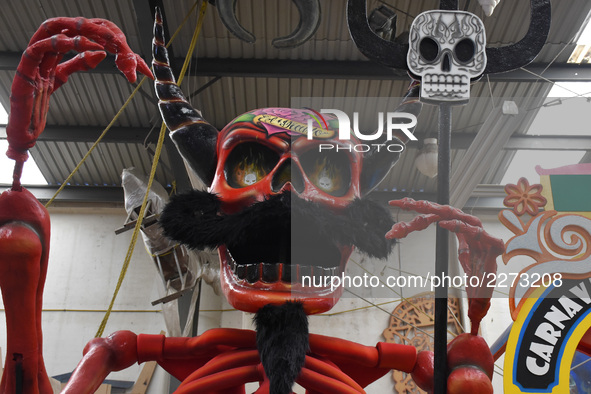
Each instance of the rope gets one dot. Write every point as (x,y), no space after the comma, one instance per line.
(193,42)
(104,132)
(409,301)
(151,179)
(171,251)
(172,189)
(136,232)
(64,183)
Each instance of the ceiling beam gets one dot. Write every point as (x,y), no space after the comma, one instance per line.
(76,194)
(138,135)
(128,135)
(114,194)
(334,69)
(326,69)
(549,142)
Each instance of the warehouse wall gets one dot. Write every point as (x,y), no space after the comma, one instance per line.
(84,265)
(86,257)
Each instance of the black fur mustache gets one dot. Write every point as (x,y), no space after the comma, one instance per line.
(194,218)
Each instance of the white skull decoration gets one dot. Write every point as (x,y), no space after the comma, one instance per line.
(447,50)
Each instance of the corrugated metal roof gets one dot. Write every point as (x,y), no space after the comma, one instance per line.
(103,167)
(91,99)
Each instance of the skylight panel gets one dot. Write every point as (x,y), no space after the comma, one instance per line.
(582,52)
(31,173)
(525,161)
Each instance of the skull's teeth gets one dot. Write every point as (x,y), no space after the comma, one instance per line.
(240,271)
(252,273)
(271,273)
(286,273)
(445,79)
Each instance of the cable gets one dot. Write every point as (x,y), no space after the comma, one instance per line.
(150,181)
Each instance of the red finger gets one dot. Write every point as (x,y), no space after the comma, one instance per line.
(143,68)
(103,32)
(41,58)
(82,62)
(464,255)
(474,233)
(446,212)
(83,27)
(402,229)
(127,63)
(60,43)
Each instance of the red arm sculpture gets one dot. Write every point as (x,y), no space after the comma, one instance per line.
(223,360)
(24,222)
(477,252)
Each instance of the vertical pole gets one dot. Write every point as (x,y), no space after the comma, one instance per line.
(451,5)
(442,250)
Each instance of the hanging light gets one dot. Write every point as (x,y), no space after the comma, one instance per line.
(426,161)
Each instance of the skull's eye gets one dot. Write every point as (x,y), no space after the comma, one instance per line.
(248,163)
(329,172)
(429,49)
(464,50)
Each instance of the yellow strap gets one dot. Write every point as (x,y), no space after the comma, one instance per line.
(172,189)
(171,251)
(151,179)
(104,132)
(64,183)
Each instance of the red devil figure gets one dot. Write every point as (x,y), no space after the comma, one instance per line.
(277,209)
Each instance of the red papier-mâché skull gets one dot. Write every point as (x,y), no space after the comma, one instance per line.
(285,202)
(264,153)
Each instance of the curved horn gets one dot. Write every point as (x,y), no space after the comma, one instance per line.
(388,53)
(195,139)
(309,22)
(521,53)
(377,163)
(227,11)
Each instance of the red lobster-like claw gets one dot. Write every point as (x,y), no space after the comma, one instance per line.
(40,73)
(477,250)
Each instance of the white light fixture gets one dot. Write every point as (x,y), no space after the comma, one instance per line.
(426,161)
(582,52)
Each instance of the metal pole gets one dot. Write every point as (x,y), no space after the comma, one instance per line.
(448,5)
(442,250)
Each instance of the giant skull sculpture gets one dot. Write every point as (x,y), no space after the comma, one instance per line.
(447,50)
(277,208)
(260,156)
